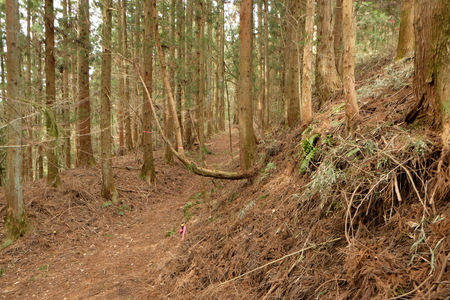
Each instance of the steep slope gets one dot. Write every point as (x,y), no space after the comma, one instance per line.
(330,216)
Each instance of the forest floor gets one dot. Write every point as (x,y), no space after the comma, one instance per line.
(327,215)
(81,247)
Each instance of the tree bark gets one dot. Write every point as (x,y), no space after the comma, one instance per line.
(348,68)
(432,64)
(327,78)
(306,96)
(405,44)
(53,178)
(148,173)
(293,62)
(108,186)
(338,37)
(247,143)
(85,153)
(16,222)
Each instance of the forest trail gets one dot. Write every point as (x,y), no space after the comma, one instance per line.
(87,249)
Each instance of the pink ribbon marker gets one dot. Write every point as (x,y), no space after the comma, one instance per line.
(183,231)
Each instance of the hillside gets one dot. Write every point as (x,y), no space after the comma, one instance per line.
(328,216)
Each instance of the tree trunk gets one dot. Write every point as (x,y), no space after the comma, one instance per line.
(338,37)
(432,64)
(85,153)
(266,68)
(306,96)
(108,186)
(293,62)
(200,73)
(348,68)
(405,44)
(148,168)
(53,178)
(246,136)
(16,222)
(327,78)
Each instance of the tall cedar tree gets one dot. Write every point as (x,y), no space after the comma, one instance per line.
(306,86)
(53,178)
(108,187)
(148,168)
(85,152)
(432,64)
(348,66)
(247,144)
(327,78)
(16,222)
(405,44)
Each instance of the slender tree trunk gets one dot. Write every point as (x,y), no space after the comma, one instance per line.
(200,57)
(85,153)
(246,136)
(121,79)
(65,88)
(28,122)
(126,80)
(53,178)
(338,37)
(261,80)
(266,68)
(306,97)
(16,223)
(221,85)
(292,62)
(327,78)
(148,168)
(108,186)
(348,68)
(405,44)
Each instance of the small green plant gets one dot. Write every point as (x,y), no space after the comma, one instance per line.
(107,204)
(266,171)
(122,209)
(170,232)
(197,195)
(43,268)
(205,150)
(2,272)
(109,235)
(308,151)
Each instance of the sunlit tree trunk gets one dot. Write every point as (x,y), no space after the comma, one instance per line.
(16,223)
(348,67)
(85,152)
(247,143)
(126,80)
(28,122)
(327,78)
(293,62)
(221,68)
(108,186)
(261,63)
(306,87)
(53,178)
(405,44)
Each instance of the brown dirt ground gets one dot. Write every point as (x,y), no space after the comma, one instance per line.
(79,249)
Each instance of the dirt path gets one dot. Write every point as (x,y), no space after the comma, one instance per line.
(100,252)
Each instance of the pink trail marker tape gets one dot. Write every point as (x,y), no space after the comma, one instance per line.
(183,231)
